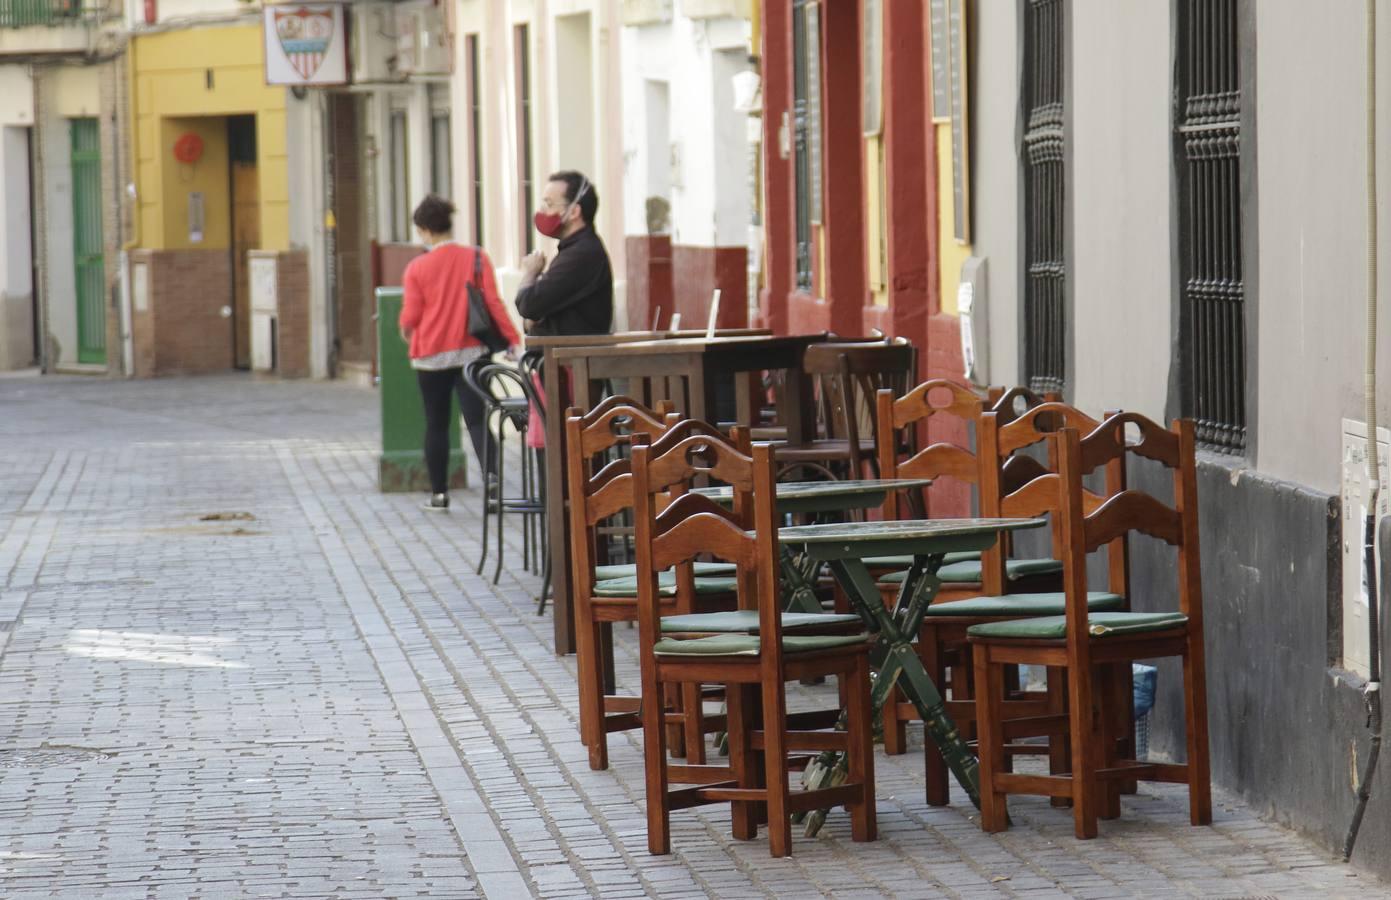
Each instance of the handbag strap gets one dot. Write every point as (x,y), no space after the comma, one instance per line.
(478,267)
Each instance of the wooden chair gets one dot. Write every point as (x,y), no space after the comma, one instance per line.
(961,575)
(754,667)
(604,594)
(847,377)
(1096,649)
(942,642)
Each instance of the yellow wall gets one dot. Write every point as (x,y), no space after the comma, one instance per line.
(171,96)
(951,252)
(874,222)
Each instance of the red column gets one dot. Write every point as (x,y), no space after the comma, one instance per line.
(779,233)
(843,167)
(910,175)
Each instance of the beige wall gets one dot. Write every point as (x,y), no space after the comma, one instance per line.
(1121,282)
(995,178)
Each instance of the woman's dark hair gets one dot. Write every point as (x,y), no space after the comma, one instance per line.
(575,183)
(435,214)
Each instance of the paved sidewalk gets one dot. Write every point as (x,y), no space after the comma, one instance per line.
(310,694)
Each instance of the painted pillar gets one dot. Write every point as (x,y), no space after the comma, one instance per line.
(846,282)
(779,231)
(910,162)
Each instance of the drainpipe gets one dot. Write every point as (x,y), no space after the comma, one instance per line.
(1372,693)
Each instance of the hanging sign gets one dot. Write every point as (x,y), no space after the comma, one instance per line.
(306,44)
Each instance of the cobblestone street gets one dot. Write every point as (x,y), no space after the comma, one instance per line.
(230,668)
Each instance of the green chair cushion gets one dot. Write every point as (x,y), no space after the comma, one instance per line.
(1023,605)
(666,583)
(630,570)
(969,572)
(903,562)
(745,621)
(1099,624)
(747,644)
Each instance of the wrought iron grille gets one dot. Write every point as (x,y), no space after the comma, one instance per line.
(26,13)
(1208,146)
(1045,313)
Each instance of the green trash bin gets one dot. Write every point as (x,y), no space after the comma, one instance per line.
(402,464)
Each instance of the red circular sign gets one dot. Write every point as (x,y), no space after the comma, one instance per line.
(188,148)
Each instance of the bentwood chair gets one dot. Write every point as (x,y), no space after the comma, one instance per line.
(754,667)
(1095,649)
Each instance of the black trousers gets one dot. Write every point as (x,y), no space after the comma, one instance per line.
(435,388)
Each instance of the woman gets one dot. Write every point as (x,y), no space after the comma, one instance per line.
(434,321)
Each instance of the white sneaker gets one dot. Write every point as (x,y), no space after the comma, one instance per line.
(436,503)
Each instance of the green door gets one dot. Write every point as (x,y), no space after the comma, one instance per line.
(87,242)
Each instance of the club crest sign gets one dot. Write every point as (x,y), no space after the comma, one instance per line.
(306,44)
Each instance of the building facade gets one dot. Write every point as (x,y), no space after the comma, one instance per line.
(689,163)
(60,164)
(1169,200)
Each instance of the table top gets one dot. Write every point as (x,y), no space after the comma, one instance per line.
(804,490)
(688,344)
(627,337)
(899,530)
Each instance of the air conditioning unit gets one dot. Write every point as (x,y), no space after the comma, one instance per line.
(424,45)
(372,43)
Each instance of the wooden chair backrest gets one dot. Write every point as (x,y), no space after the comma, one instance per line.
(848,377)
(603,494)
(1035,488)
(693,525)
(1087,526)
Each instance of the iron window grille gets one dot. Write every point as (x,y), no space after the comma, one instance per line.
(1042,151)
(1207,146)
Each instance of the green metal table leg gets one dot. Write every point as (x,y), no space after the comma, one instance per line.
(902,666)
(799,580)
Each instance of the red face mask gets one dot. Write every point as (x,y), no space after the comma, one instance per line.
(549,223)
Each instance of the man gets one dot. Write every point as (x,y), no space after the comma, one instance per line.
(575,294)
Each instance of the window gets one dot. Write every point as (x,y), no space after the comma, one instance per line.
(806,86)
(440,149)
(1041,153)
(526,187)
(400,178)
(475,150)
(1207,145)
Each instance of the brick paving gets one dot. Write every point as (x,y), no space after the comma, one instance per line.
(314,696)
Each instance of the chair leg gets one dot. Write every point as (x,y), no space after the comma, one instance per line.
(859,724)
(1082,715)
(934,767)
(693,714)
(1195,710)
(487,504)
(654,752)
(1108,790)
(994,810)
(1059,745)
(501,493)
(591,687)
(742,758)
(775,766)
(676,732)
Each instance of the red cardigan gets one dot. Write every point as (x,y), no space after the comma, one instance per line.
(435,308)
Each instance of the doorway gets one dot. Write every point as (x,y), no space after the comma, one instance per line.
(245,191)
(89,260)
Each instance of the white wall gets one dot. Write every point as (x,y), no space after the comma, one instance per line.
(698,157)
(16,254)
(1121,151)
(995,178)
(1311,179)
(176,11)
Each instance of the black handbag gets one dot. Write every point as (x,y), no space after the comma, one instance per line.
(480,321)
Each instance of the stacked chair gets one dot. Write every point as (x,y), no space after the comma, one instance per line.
(754,664)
